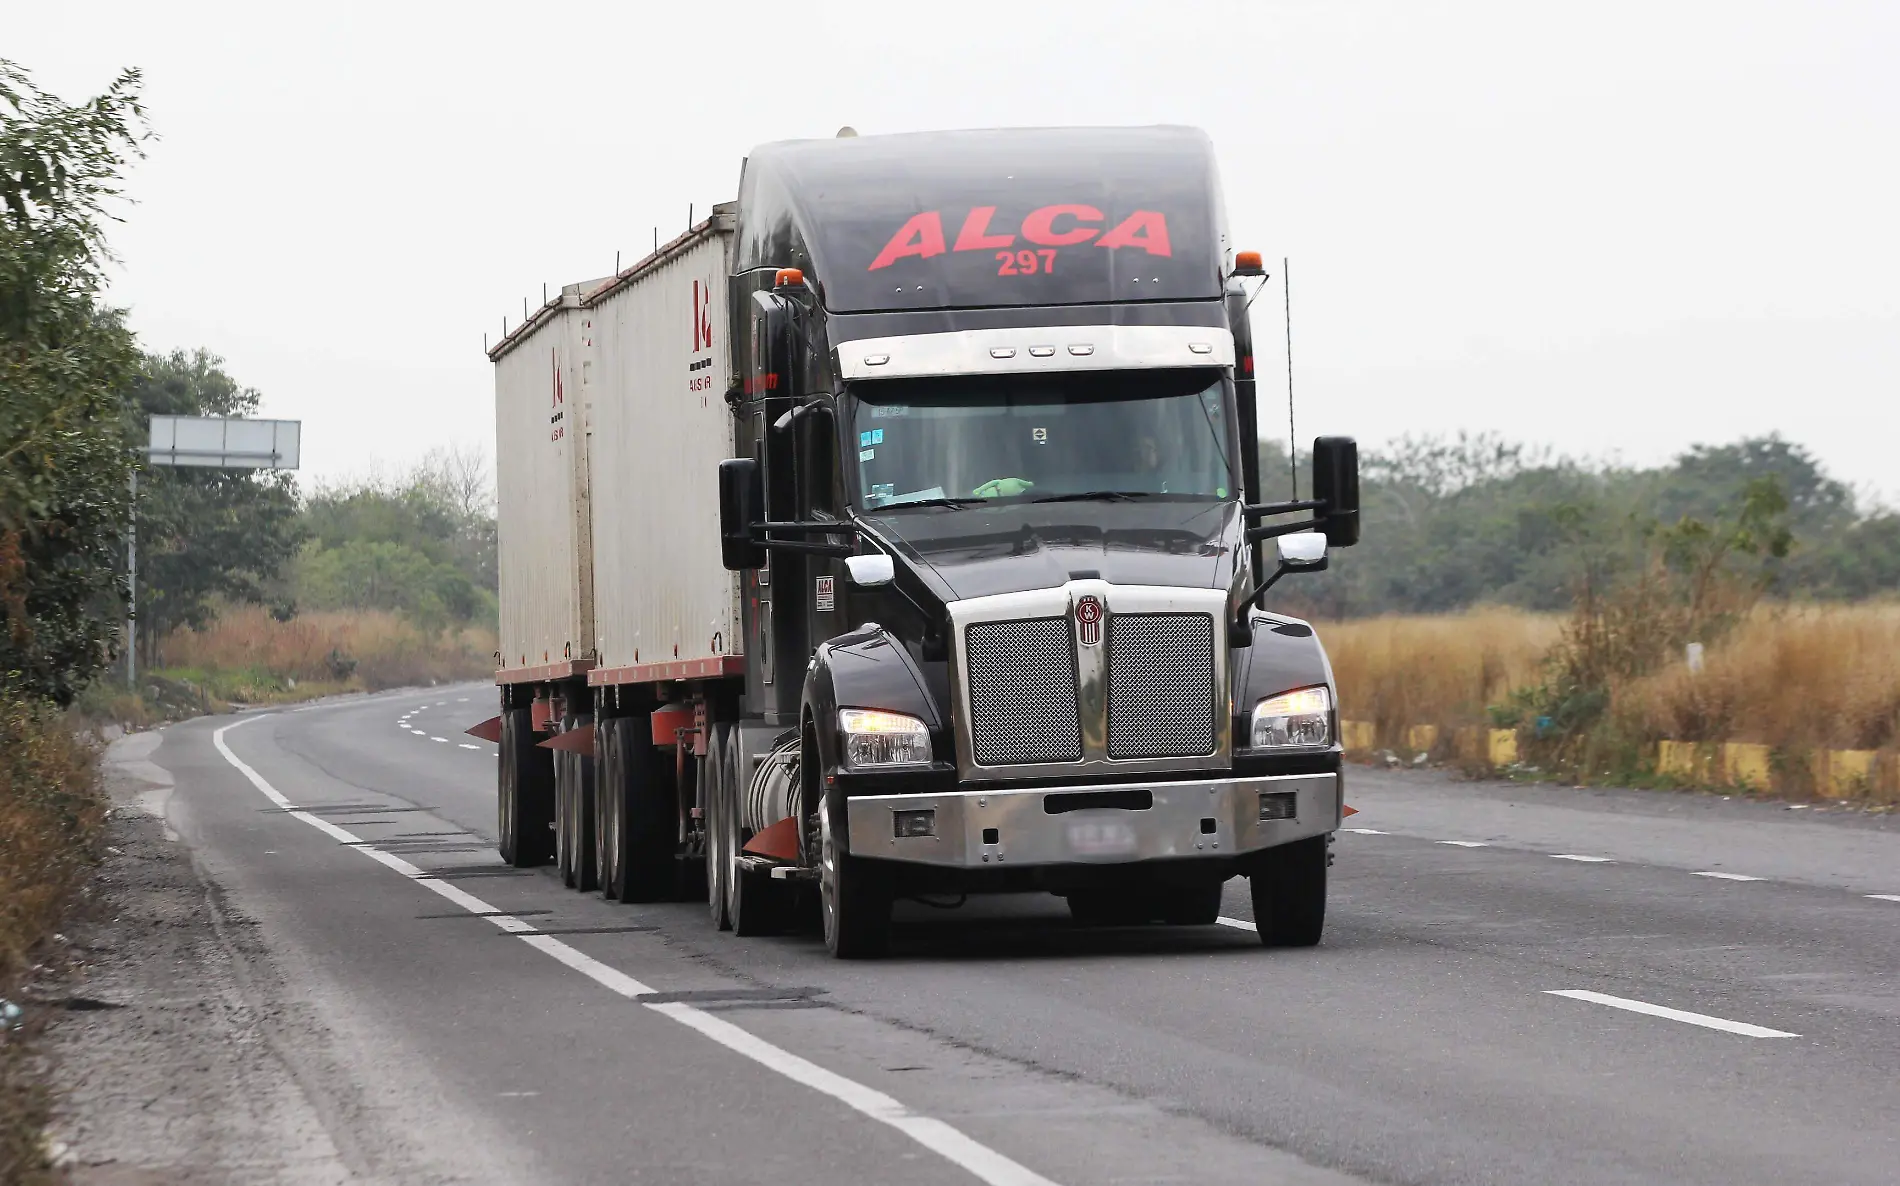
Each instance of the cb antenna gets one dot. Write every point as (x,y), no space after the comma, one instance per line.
(1292,441)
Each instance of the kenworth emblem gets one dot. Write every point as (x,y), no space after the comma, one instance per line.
(1088,620)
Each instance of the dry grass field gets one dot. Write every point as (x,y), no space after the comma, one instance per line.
(365,651)
(1799,679)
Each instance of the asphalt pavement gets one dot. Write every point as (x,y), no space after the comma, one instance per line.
(1517,985)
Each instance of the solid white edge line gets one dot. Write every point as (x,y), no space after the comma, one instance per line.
(1885,897)
(1728,876)
(943,1139)
(1239,924)
(933,1134)
(1702,1019)
(1571,856)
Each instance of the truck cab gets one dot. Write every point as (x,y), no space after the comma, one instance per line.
(1001,544)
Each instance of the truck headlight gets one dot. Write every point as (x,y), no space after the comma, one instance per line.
(873,737)
(1303,717)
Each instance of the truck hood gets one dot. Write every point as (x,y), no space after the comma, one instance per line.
(961,553)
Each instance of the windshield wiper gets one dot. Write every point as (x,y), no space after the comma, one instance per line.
(928,502)
(1096,496)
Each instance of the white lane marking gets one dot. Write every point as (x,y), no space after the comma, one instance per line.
(933,1134)
(1571,856)
(980,1160)
(420,732)
(461,700)
(470,745)
(1885,897)
(1466,843)
(1728,876)
(1701,1019)
(443,740)
(1366,831)
(1239,924)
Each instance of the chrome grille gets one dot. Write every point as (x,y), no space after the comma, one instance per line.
(1022,692)
(1160,685)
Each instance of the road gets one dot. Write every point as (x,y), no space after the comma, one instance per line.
(1734,1016)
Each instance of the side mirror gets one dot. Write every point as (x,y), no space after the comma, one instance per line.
(1304,552)
(741,504)
(871,569)
(1336,481)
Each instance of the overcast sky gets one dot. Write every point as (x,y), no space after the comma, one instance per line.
(1611,228)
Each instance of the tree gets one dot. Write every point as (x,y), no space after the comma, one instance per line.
(205,535)
(64,364)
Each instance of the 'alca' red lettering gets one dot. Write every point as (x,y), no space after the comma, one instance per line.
(921,236)
(1146,229)
(1039,227)
(975,234)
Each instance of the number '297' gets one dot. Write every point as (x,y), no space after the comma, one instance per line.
(1025,263)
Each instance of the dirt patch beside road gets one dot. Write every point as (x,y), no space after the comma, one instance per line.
(170,1056)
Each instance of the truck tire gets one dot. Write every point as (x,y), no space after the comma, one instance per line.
(640,826)
(1289,893)
(715,790)
(524,793)
(574,854)
(854,895)
(1191,905)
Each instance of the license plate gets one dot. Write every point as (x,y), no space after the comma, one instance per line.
(1102,837)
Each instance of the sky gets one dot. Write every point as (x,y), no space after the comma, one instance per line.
(1616,229)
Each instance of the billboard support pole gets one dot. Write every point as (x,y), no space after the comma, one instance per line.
(132,591)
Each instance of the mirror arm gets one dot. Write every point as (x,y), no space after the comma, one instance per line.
(1255,534)
(1261,510)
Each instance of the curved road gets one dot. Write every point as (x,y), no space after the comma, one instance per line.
(1518,985)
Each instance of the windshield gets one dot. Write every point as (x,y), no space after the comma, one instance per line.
(1145,434)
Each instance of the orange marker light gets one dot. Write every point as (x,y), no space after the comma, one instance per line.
(1247,263)
(795,278)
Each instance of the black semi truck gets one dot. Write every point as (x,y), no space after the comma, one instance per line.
(898,531)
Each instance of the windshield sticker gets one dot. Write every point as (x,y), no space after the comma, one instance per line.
(866,454)
(873,436)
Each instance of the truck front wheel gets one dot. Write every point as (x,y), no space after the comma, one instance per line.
(1289,893)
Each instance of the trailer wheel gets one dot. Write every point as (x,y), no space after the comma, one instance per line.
(716,789)
(639,821)
(1289,893)
(524,793)
(575,854)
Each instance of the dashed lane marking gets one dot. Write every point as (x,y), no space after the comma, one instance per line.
(1885,897)
(1239,924)
(1571,856)
(443,740)
(1702,1019)
(981,1161)
(1366,831)
(1728,876)
(1466,843)
(469,745)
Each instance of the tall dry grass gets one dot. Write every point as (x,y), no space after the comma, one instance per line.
(1795,678)
(1446,671)
(51,814)
(367,651)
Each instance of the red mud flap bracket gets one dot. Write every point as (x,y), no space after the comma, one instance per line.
(573,741)
(488,730)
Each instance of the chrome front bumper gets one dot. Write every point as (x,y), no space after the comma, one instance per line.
(1042,826)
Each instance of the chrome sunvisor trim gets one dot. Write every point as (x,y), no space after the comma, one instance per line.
(1036,350)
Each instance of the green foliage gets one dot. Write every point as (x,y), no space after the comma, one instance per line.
(64,362)
(422,545)
(206,536)
(1451,523)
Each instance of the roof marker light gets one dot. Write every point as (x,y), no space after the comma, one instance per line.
(876,360)
(1082,349)
(1201,347)
(1002,352)
(788,278)
(1042,351)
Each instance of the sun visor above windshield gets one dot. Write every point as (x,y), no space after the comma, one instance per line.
(992,218)
(1035,350)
